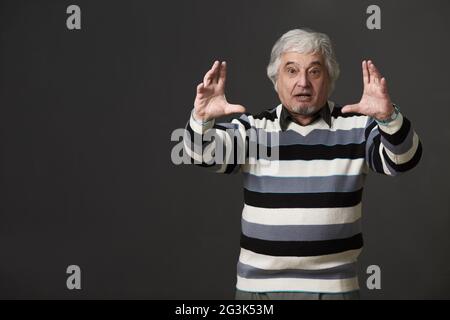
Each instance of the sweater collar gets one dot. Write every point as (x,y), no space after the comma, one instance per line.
(286,117)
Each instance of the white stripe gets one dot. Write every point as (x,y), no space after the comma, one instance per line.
(305,168)
(301,216)
(383,162)
(294,284)
(327,261)
(348,123)
(404,157)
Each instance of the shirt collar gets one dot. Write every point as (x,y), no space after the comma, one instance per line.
(285,116)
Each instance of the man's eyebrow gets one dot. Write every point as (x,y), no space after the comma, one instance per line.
(314,63)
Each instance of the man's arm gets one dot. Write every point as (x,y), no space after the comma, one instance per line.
(392,146)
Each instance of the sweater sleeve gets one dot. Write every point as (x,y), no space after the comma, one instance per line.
(393,148)
(220,147)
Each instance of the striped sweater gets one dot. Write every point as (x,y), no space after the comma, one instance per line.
(301,220)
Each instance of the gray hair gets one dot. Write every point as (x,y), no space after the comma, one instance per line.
(304,41)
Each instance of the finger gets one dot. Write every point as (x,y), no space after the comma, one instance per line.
(350,108)
(365,72)
(374,72)
(209,75)
(215,72)
(223,73)
(234,108)
(200,88)
(383,85)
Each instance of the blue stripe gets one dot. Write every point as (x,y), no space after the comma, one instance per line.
(300,232)
(273,184)
(345,271)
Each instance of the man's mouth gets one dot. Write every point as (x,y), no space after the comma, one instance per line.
(303,96)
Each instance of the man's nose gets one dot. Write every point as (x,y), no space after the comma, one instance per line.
(302,80)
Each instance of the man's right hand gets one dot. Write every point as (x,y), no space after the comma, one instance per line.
(210,102)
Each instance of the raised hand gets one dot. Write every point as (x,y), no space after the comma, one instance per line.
(210,102)
(375,101)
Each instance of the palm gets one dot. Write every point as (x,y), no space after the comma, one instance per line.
(375,101)
(210,101)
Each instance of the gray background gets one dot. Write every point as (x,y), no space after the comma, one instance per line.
(86,118)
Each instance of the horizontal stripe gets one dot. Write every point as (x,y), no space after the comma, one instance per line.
(302,200)
(344,271)
(301,248)
(305,168)
(300,232)
(400,148)
(303,285)
(301,184)
(318,136)
(337,124)
(268,262)
(403,167)
(404,157)
(301,216)
(399,136)
(307,152)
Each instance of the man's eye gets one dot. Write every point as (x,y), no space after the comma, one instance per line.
(315,72)
(291,71)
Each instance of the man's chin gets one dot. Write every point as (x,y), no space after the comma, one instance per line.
(304,109)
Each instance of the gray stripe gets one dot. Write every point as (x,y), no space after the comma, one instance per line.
(344,271)
(300,232)
(335,183)
(369,143)
(403,147)
(318,136)
(228,125)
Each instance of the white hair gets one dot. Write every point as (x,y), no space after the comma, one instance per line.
(304,41)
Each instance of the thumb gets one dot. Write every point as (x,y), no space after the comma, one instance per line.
(350,108)
(235,108)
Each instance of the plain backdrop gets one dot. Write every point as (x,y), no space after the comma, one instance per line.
(85,126)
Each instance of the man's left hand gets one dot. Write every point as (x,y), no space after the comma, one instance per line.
(375,101)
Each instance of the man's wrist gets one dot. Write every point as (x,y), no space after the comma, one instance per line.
(386,120)
(200,122)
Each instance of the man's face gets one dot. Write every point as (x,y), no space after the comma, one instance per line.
(303,82)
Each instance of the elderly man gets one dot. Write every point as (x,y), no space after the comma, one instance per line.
(301,221)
